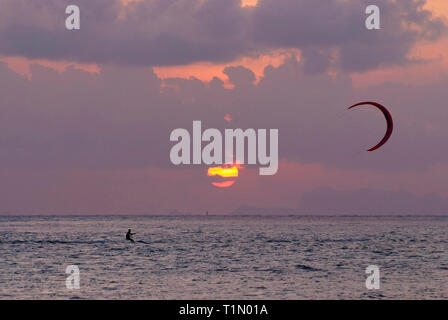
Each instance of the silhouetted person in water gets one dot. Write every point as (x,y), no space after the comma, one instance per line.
(128,235)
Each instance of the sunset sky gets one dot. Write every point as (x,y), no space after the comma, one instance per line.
(86,115)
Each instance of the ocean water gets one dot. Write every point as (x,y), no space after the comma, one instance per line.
(211,257)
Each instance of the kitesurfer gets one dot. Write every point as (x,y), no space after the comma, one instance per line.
(128,235)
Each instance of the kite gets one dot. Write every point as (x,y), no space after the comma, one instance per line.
(387,115)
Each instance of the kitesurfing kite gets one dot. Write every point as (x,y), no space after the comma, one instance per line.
(387,115)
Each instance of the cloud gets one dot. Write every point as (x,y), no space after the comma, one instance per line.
(176,32)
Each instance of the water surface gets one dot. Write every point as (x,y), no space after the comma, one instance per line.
(224,257)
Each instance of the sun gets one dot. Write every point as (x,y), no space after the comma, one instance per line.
(225,175)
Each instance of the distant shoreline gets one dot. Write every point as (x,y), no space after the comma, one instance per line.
(229,215)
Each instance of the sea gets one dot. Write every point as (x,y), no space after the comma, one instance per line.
(223,257)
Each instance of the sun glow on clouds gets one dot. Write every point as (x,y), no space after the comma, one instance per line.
(22,65)
(206,71)
(244,3)
(127,2)
(249,3)
(437,7)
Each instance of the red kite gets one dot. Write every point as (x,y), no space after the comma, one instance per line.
(387,115)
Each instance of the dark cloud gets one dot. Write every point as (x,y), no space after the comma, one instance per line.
(173,32)
(239,76)
(159,32)
(339,25)
(315,60)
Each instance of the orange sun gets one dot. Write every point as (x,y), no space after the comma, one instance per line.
(224,172)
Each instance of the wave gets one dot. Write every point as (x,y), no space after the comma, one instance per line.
(53,242)
(306,268)
(278,241)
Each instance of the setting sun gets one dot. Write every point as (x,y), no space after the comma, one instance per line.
(227,171)
(223,171)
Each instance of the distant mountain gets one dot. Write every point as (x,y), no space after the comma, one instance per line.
(328,201)
(248,210)
(371,202)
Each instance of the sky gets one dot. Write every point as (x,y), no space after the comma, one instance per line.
(86,115)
